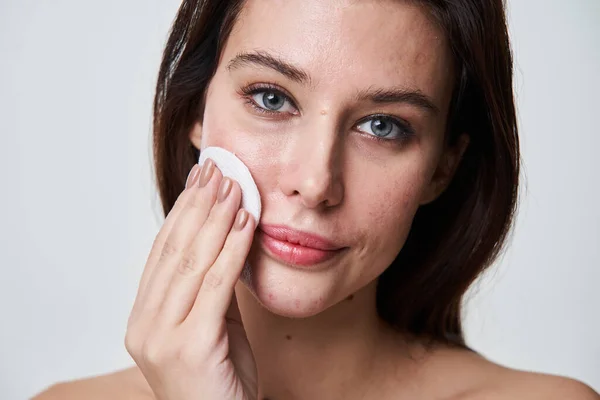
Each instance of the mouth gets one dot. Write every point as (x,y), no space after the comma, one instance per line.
(295,247)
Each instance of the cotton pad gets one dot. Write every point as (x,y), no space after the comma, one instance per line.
(232,167)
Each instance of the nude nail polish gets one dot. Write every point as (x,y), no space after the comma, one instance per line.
(224,189)
(207,172)
(241,220)
(192,176)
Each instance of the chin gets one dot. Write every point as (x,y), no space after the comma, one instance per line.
(287,291)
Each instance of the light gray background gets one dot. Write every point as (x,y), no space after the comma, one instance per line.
(80,210)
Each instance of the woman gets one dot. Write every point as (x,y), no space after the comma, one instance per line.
(382,137)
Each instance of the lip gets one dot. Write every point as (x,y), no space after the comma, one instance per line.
(296,247)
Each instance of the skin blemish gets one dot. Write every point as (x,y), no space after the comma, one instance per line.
(297,303)
(323,112)
(288,337)
(350,298)
(271,296)
(421,59)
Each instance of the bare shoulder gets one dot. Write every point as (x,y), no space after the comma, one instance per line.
(526,385)
(127,384)
(502,383)
(466,375)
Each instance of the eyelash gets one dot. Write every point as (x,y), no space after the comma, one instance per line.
(248,91)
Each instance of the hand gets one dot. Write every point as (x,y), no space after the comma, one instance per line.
(185,332)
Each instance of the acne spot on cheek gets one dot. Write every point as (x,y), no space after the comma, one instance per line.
(409,198)
(272,296)
(288,337)
(421,59)
(406,202)
(323,112)
(350,298)
(297,303)
(315,304)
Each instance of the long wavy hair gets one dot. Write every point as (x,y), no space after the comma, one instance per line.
(453,239)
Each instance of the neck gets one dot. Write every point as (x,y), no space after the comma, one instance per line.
(319,356)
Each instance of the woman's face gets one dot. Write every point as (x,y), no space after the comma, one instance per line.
(338,108)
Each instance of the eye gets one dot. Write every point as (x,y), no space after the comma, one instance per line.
(272,101)
(385,128)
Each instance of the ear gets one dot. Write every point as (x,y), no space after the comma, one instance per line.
(449,161)
(196,135)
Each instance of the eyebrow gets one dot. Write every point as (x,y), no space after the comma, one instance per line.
(399,95)
(394,95)
(264,59)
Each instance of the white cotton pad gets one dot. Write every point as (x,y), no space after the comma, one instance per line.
(232,167)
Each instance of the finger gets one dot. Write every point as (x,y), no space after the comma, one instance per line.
(185,229)
(161,237)
(201,255)
(216,291)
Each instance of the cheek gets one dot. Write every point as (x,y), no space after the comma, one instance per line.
(401,203)
(257,155)
(390,207)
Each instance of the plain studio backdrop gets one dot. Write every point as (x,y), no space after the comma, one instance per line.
(80,209)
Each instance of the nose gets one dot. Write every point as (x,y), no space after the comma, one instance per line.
(312,170)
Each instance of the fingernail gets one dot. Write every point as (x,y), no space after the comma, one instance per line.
(207,172)
(224,189)
(241,220)
(192,176)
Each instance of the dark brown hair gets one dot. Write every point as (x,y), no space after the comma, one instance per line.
(454,238)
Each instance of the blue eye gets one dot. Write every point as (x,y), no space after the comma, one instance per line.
(385,128)
(272,101)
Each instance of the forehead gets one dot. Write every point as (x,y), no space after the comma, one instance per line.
(355,44)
